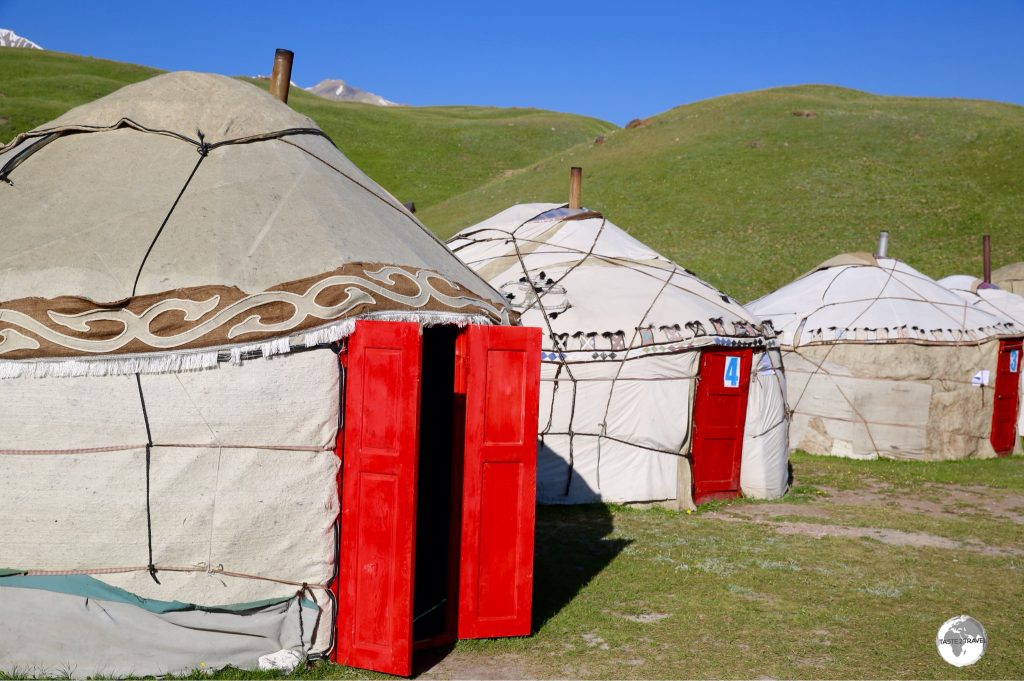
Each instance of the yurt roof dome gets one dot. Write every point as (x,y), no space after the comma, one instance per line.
(987,297)
(857,297)
(596,290)
(1009,276)
(195,211)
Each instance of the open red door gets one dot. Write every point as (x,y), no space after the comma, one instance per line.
(378,497)
(719,416)
(498,374)
(1006,400)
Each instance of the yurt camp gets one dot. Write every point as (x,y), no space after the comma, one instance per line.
(883,361)
(655,386)
(253,411)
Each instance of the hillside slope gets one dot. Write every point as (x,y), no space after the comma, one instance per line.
(750,195)
(421,154)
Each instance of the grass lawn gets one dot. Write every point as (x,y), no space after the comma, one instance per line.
(849,576)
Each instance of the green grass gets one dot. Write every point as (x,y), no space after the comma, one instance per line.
(750,196)
(420,154)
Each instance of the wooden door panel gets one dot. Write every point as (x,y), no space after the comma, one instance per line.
(378,497)
(1006,398)
(719,417)
(498,376)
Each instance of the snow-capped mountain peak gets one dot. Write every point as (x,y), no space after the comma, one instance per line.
(9,38)
(342,91)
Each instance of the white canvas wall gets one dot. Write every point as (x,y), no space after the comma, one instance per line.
(242,476)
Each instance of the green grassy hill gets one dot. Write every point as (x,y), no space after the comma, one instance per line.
(748,190)
(750,195)
(421,154)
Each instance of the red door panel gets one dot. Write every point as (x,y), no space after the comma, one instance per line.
(498,374)
(1006,400)
(719,415)
(378,497)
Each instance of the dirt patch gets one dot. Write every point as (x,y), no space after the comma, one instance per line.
(463,666)
(647,617)
(894,537)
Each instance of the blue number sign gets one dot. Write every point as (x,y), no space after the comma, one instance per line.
(732,371)
(1014,361)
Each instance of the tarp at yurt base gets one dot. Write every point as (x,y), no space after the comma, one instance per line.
(178,258)
(882,361)
(624,329)
(998,303)
(1010,278)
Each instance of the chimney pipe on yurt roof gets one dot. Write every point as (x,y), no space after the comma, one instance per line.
(986,258)
(575,186)
(281,77)
(883,245)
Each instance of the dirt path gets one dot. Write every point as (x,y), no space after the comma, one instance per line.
(936,501)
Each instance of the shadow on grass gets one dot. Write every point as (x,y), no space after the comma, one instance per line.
(572,547)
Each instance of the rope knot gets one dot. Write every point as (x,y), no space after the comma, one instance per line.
(204,146)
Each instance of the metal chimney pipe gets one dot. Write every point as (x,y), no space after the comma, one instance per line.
(883,244)
(986,257)
(281,77)
(575,186)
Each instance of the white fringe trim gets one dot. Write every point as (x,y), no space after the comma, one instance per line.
(177,362)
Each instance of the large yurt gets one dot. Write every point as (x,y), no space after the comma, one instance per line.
(883,361)
(999,303)
(1010,278)
(239,384)
(655,386)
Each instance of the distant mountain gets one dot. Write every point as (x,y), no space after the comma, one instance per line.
(9,38)
(341,91)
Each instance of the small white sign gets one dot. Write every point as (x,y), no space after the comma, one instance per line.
(1014,361)
(981,378)
(732,371)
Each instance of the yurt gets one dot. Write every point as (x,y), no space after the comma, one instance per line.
(999,303)
(883,361)
(253,411)
(1010,278)
(655,386)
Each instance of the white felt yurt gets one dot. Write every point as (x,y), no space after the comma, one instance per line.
(883,361)
(625,330)
(998,303)
(177,260)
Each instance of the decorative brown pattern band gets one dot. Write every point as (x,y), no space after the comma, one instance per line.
(215,316)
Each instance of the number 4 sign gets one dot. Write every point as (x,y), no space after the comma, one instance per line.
(732,371)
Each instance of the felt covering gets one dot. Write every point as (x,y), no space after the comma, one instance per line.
(623,327)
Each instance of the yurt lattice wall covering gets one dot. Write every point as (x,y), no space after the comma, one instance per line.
(882,361)
(997,302)
(180,260)
(623,332)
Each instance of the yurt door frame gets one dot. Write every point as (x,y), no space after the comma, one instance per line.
(467,549)
(719,417)
(1006,398)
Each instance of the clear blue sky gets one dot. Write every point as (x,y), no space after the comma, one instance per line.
(614,60)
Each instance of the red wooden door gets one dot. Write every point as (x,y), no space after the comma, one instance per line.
(498,373)
(719,415)
(378,497)
(1006,400)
